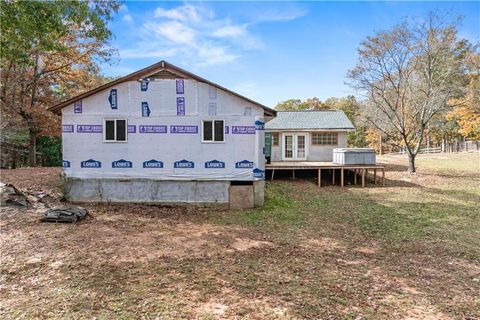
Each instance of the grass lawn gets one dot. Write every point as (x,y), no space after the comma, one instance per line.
(410,249)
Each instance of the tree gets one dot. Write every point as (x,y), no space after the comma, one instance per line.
(351,107)
(467,113)
(297,104)
(408,74)
(50,50)
(291,105)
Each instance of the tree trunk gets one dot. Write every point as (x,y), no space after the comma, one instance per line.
(33,148)
(411,163)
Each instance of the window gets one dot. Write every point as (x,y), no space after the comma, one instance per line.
(213,131)
(325,138)
(275,139)
(115,130)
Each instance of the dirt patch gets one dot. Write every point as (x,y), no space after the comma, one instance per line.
(243,244)
(323,244)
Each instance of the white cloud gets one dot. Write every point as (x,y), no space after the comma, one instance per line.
(183,13)
(193,33)
(230,32)
(280,14)
(127,18)
(172,30)
(212,55)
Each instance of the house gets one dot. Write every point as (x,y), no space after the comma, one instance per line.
(163,135)
(308,135)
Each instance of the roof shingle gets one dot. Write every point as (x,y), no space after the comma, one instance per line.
(310,119)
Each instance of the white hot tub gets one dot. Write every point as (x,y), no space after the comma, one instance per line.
(354,156)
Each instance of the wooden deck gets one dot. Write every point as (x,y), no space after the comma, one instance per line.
(360,171)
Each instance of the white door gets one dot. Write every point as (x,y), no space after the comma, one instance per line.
(294,146)
(301,147)
(288,153)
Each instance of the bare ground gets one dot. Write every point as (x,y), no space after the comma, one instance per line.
(406,251)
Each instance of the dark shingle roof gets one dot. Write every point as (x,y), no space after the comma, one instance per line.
(310,119)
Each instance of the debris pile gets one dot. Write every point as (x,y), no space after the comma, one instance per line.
(11,196)
(70,215)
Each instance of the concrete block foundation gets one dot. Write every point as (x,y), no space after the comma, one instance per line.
(216,193)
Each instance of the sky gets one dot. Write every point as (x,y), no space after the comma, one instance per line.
(267,51)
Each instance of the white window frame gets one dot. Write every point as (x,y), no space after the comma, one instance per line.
(114,130)
(213,131)
(294,136)
(324,144)
(278,139)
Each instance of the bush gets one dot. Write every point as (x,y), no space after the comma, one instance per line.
(51,148)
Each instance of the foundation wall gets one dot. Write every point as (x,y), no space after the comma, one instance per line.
(159,191)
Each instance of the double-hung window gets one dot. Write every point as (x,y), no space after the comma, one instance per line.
(115,130)
(213,131)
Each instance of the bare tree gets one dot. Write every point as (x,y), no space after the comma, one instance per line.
(408,74)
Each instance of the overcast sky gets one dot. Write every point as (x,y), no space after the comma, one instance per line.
(268,51)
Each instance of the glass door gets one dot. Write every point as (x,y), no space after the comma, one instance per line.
(294,146)
(288,147)
(301,146)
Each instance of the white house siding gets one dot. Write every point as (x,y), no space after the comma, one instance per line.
(315,152)
(243,141)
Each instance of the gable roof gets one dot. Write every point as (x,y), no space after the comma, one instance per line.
(310,119)
(158,69)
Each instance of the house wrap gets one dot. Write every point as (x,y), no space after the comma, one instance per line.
(163,135)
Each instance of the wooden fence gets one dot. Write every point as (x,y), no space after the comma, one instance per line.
(446,147)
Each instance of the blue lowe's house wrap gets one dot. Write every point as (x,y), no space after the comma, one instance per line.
(180,87)
(144,85)
(132,128)
(122,163)
(77,106)
(67,128)
(259,125)
(153,164)
(66,164)
(89,128)
(112,99)
(244,164)
(180,106)
(259,173)
(145,109)
(184,164)
(156,128)
(214,164)
(90,163)
(183,129)
(165,142)
(243,129)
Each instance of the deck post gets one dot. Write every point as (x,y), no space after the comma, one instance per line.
(383,176)
(355,176)
(374,176)
(333,176)
(363,178)
(341,177)
(293,176)
(319,178)
(273,173)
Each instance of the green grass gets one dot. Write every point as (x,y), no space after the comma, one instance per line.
(418,222)
(447,210)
